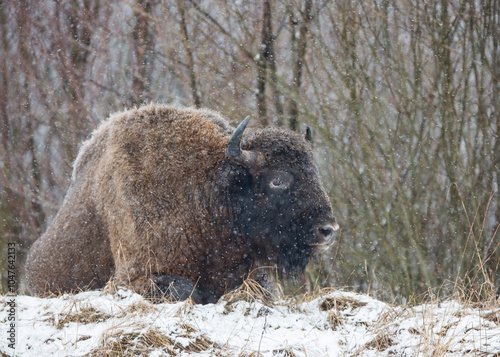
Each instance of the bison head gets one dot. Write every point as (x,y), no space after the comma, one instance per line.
(276,200)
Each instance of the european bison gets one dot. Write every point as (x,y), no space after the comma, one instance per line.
(168,198)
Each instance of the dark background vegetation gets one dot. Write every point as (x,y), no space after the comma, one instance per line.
(402,96)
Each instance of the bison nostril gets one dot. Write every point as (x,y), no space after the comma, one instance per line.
(326,231)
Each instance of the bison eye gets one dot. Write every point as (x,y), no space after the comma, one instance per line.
(278,183)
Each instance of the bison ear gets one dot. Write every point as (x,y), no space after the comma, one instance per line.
(308,135)
(233,149)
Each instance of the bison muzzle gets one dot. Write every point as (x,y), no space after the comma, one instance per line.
(170,200)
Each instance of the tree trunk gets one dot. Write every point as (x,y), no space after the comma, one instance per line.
(189,54)
(143,49)
(299,40)
(263,62)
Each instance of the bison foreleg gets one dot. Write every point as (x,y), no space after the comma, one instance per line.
(177,288)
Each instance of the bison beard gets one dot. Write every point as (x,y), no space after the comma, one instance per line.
(174,202)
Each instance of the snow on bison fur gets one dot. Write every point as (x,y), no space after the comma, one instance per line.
(164,199)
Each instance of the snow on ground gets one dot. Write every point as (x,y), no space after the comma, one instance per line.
(334,324)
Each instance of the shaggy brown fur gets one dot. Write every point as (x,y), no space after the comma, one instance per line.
(154,198)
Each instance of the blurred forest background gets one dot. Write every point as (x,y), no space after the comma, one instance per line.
(403,98)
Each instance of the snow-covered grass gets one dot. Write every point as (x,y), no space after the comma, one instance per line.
(332,323)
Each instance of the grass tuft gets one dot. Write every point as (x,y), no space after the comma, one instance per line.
(380,342)
(134,344)
(138,344)
(141,308)
(84,315)
(249,291)
(340,304)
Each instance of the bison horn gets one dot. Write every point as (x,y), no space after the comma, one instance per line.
(234,151)
(233,146)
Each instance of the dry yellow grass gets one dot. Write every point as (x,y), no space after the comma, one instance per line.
(118,344)
(250,291)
